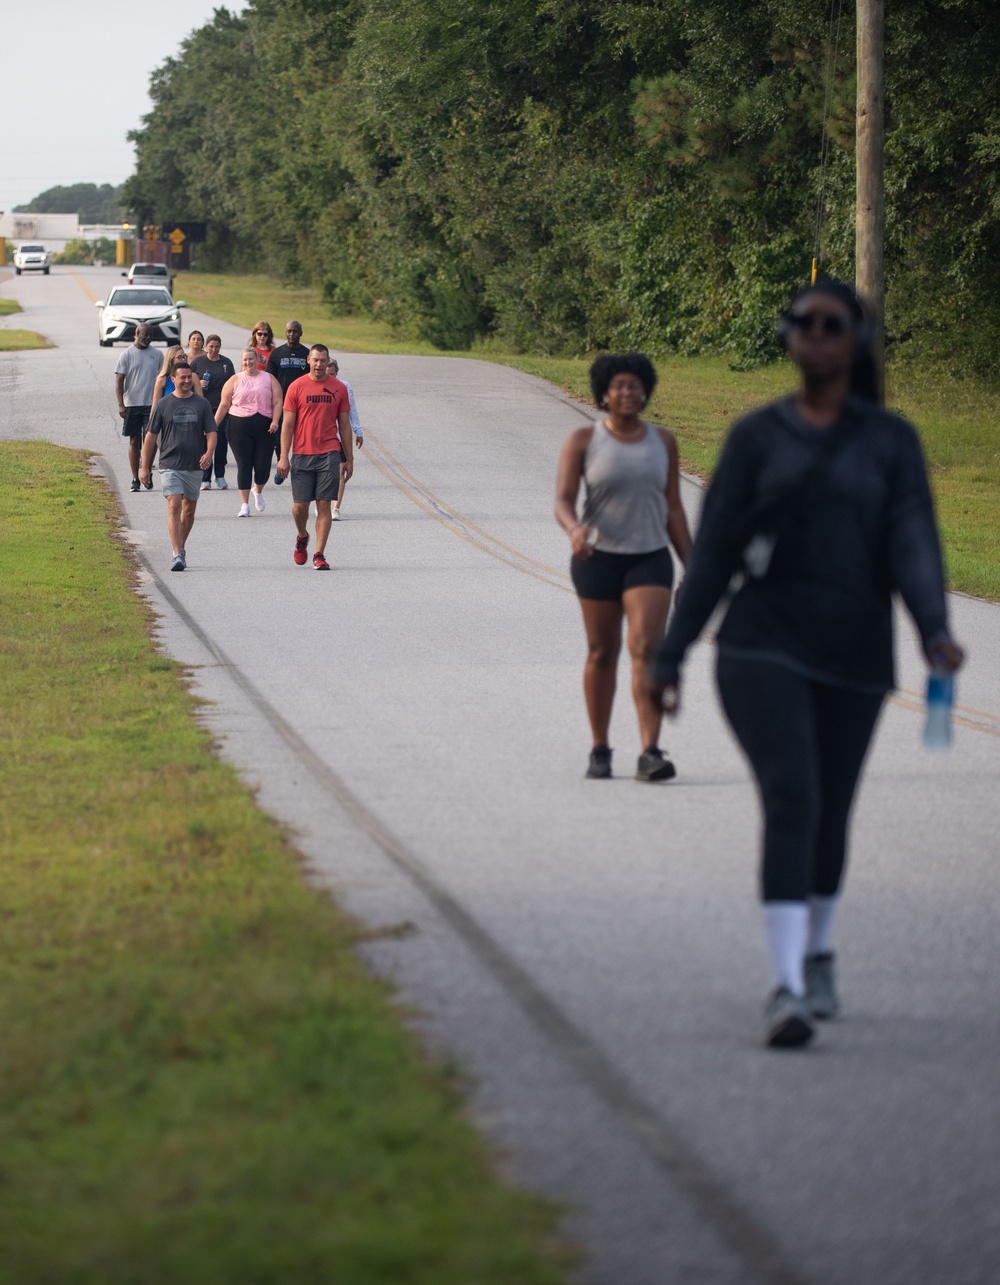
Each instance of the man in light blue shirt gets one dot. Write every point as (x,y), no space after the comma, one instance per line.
(359,435)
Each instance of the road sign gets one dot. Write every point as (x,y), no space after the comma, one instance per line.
(190,231)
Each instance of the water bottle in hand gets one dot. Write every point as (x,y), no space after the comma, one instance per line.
(940,698)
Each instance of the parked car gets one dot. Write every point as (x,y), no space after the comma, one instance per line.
(126,306)
(149,274)
(32,258)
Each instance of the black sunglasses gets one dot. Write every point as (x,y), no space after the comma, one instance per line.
(829,323)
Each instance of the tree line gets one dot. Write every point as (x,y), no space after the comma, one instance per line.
(92,202)
(570,175)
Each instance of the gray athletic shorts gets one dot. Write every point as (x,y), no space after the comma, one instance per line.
(181,481)
(316,477)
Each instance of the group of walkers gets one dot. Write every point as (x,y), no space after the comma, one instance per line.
(193,406)
(820,509)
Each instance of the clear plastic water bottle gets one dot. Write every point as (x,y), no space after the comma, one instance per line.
(940,699)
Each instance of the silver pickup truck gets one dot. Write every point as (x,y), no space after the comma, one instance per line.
(149,274)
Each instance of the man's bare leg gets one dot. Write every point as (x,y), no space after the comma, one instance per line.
(340,494)
(324,520)
(187,519)
(175,522)
(300,516)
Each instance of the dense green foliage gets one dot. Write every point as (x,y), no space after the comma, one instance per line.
(101,250)
(92,202)
(574,174)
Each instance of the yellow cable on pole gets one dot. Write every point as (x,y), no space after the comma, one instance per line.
(815,272)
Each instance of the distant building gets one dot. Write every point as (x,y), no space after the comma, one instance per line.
(54,230)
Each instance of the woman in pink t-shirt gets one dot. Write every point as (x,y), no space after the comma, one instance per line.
(252,400)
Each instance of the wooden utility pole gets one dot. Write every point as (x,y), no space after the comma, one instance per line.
(870,156)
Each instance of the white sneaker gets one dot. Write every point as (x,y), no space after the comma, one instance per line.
(221,484)
(244,511)
(258,501)
(335,515)
(206,486)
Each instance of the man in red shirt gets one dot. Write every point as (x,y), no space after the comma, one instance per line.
(317,449)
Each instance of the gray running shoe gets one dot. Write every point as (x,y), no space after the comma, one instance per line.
(788,1023)
(221,484)
(821,987)
(599,767)
(178,563)
(653,765)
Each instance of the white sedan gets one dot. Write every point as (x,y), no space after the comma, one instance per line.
(126,306)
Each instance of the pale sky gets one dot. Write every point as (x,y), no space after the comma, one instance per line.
(77,82)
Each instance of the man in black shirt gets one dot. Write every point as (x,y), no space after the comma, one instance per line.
(212,369)
(288,362)
(183,426)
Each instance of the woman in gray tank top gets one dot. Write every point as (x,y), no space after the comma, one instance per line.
(621,564)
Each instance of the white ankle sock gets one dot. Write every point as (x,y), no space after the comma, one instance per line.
(787,927)
(822,912)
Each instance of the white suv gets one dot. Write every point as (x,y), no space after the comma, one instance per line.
(31,258)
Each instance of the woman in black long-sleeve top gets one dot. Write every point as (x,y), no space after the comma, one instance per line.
(822,501)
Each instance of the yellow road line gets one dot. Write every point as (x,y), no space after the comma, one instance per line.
(83,286)
(471,526)
(417,499)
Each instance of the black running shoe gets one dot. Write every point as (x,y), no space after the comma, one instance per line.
(653,765)
(599,767)
(149,485)
(135,484)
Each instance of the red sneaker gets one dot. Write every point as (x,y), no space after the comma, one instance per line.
(301,544)
(320,563)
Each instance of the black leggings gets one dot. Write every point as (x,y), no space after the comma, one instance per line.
(221,453)
(253,446)
(806,742)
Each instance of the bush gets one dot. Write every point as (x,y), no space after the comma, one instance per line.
(83,252)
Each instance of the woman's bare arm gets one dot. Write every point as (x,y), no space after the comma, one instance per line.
(226,400)
(568,488)
(677,526)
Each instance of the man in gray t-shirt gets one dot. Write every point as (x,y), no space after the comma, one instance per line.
(183,426)
(135,375)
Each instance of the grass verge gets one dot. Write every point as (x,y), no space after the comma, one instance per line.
(22,340)
(8,307)
(199,1083)
(699,397)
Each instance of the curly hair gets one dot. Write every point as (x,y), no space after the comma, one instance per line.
(610,364)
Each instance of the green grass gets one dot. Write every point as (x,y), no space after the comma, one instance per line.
(8,307)
(21,340)
(699,397)
(199,1083)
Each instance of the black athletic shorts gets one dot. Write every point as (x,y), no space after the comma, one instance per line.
(604,577)
(136,419)
(316,477)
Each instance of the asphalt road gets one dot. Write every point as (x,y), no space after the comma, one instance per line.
(589,952)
